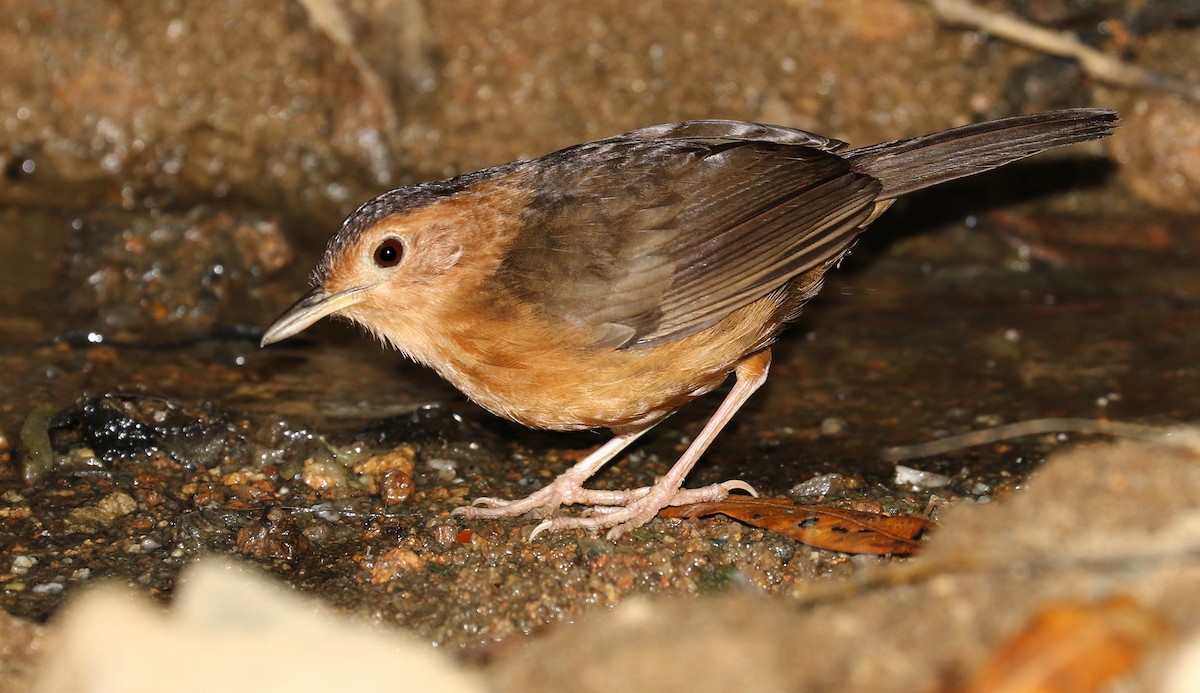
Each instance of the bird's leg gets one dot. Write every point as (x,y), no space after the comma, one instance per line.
(646,503)
(567,489)
(633,507)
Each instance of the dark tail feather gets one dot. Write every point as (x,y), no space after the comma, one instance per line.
(903,166)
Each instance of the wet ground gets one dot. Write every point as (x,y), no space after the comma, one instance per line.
(143,428)
(158,454)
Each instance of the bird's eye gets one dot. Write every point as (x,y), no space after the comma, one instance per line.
(389,253)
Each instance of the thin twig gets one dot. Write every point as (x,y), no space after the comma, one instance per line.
(1098,65)
(1027,428)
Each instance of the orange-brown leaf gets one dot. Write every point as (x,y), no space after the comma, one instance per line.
(822,527)
(1071,648)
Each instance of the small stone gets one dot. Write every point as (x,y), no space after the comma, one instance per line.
(917,479)
(825,485)
(395,487)
(276,538)
(446,469)
(390,473)
(833,426)
(329,479)
(399,560)
(47,588)
(104,512)
(21,564)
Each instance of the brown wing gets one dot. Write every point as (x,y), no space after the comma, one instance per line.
(653,236)
(727,131)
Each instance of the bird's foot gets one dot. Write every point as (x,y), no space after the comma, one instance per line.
(567,489)
(641,506)
(616,511)
(562,491)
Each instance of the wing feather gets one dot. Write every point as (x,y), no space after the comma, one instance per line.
(653,235)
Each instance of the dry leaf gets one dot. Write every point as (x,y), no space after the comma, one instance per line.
(822,527)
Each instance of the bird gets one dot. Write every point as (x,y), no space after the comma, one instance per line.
(608,284)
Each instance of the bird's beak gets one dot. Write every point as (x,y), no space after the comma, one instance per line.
(311,307)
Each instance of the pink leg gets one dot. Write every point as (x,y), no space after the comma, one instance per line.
(567,489)
(751,374)
(626,509)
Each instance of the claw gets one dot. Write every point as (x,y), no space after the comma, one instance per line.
(739,485)
(543,526)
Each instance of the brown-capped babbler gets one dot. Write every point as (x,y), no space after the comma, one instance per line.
(610,283)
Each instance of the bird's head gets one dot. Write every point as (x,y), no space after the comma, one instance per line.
(386,269)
